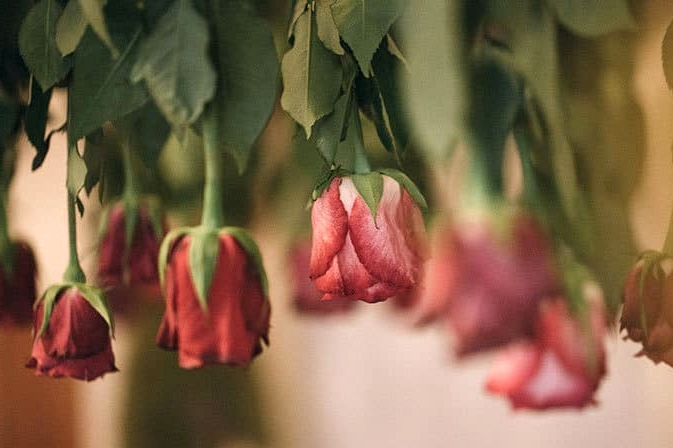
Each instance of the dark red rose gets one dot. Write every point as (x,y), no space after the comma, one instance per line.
(489,281)
(647,315)
(306,298)
(561,367)
(76,341)
(238,311)
(17,287)
(352,256)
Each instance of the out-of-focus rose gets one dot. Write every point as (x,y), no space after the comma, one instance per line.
(75,339)
(236,321)
(306,298)
(17,287)
(562,367)
(489,282)
(356,257)
(647,315)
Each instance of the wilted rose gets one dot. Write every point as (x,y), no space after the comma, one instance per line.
(561,367)
(17,287)
(356,257)
(75,341)
(236,321)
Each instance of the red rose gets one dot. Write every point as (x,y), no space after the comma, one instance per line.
(352,256)
(237,316)
(489,281)
(17,287)
(306,298)
(75,340)
(562,367)
(647,315)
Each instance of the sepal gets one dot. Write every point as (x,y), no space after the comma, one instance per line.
(203,250)
(252,249)
(165,250)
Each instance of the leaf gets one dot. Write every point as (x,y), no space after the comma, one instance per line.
(38,44)
(667,55)
(408,185)
(434,84)
(248,77)
(149,133)
(370,188)
(100,90)
(328,33)
(93,12)
(174,63)
(76,171)
(70,28)
(37,114)
(364,23)
(591,18)
(311,75)
(252,249)
(203,251)
(330,130)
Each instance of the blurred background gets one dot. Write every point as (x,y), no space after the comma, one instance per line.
(360,379)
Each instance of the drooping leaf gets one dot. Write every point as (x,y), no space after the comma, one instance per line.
(667,55)
(364,23)
(252,249)
(101,89)
(592,18)
(370,188)
(95,155)
(248,78)
(435,81)
(38,44)
(150,132)
(330,130)
(173,61)
(327,29)
(204,248)
(93,12)
(36,117)
(70,28)
(311,75)
(408,185)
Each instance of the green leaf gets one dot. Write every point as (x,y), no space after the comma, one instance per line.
(149,133)
(165,249)
(331,129)
(76,171)
(435,81)
(100,89)
(364,23)
(408,185)
(328,33)
(370,187)
(252,249)
(591,18)
(248,77)
(203,251)
(48,299)
(93,12)
(38,44)
(37,113)
(667,55)
(311,75)
(70,28)
(96,299)
(174,63)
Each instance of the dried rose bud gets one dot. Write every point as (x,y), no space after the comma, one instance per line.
(231,327)
(357,257)
(72,336)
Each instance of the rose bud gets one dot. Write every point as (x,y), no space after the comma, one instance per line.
(357,256)
(72,334)
(561,367)
(223,319)
(489,281)
(17,285)
(647,315)
(306,298)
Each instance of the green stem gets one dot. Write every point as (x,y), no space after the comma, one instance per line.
(74,272)
(361,164)
(212,217)
(131,185)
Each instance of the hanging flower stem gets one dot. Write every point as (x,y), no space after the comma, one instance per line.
(73,273)
(131,186)
(361,164)
(212,217)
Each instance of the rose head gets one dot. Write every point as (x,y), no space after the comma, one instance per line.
(359,257)
(562,367)
(231,327)
(17,286)
(647,315)
(306,298)
(72,337)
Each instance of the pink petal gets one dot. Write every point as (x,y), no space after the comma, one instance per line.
(329,221)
